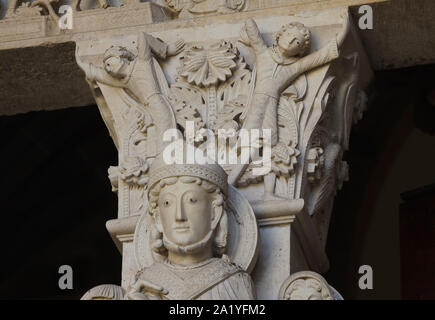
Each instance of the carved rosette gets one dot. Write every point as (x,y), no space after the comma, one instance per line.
(211,88)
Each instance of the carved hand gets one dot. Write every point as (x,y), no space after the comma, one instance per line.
(175,47)
(346,27)
(145,290)
(251,36)
(244,36)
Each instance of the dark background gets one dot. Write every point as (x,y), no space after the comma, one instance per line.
(55,196)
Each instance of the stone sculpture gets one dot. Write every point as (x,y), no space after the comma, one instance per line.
(135,74)
(210,94)
(190,230)
(190,8)
(307,285)
(105,292)
(277,67)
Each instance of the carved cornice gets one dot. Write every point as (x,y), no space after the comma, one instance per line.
(17,31)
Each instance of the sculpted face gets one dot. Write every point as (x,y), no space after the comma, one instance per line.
(115,66)
(292,42)
(306,290)
(186,213)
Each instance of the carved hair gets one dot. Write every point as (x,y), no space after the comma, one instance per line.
(319,288)
(302,29)
(119,52)
(220,238)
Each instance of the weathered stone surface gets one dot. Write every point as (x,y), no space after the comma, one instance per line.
(204,67)
(386,47)
(308,81)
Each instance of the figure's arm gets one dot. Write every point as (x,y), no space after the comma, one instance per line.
(94,73)
(147,44)
(145,290)
(316,59)
(328,53)
(251,36)
(143,47)
(345,30)
(158,47)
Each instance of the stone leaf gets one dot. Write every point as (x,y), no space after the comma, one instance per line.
(207,67)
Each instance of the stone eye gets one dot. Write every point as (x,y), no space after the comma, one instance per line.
(192,200)
(166,203)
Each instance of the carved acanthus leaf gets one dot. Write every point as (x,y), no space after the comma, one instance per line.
(315,164)
(334,175)
(133,171)
(214,101)
(284,159)
(209,67)
(186,113)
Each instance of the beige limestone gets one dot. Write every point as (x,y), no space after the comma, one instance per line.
(216,83)
(192,243)
(29,45)
(155,66)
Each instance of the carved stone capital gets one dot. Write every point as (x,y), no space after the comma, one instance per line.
(301,100)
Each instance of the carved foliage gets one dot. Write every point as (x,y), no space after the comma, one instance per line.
(188,8)
(206,67)
(212,87)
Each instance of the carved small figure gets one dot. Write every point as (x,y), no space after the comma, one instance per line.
(123,69)
(188,8)
(277,67)
(188,206)
(102,3)
(13,4)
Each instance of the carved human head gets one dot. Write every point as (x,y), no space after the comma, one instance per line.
(116,59)
(187,202)
(104,292)
(306,285)
(294,39)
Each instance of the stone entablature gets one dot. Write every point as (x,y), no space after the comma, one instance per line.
(37,27)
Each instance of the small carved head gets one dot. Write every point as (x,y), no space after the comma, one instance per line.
(294,39)
(306,285)
(309,289)
(189,213)
(116,59)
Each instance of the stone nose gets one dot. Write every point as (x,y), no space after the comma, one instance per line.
(180,215)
